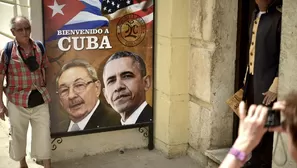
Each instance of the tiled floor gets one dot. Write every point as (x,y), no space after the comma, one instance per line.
(138,158)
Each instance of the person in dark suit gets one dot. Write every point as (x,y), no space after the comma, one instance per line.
(261,83)
(79,90)
(125,85)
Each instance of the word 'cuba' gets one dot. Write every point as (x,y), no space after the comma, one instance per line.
(80,43)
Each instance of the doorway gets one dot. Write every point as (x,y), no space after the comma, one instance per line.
(245,10)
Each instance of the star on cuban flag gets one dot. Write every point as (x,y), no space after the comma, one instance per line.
(71,15)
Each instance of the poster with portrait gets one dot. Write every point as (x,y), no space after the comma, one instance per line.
(100,55)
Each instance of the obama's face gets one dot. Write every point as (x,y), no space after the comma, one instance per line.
(124,86)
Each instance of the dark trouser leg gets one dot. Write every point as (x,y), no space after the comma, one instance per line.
(262,154)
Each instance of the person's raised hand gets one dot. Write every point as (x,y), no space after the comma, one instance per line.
(251,127)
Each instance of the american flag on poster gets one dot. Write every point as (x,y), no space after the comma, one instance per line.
(115,9)
(72,14)
(89,14)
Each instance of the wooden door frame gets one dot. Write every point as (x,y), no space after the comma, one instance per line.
(245,9)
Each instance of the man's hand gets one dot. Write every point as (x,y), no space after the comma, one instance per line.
(251,127)
(269,97)
(3,112)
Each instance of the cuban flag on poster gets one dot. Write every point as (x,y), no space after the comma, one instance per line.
(71,15)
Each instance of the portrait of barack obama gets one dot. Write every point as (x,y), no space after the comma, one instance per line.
(125,85)
(79,89)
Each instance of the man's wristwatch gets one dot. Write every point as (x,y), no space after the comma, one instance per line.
(241,156)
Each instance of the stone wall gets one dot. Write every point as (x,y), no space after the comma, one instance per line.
(211,74)
(288,69)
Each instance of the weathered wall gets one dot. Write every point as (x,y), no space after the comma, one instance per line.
(288,69)
(211,75)
(98,143)
(171,68)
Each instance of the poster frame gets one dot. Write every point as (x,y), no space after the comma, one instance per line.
(146,128)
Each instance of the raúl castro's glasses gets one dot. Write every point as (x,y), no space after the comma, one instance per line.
(78,87)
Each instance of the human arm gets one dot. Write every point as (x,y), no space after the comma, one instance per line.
(251,131)
(3,109)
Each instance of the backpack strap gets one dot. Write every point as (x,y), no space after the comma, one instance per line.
(7,55)
(41,46)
